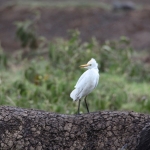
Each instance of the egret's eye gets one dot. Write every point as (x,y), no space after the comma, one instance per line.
(90,64)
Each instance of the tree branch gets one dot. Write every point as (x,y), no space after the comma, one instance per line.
(22,129)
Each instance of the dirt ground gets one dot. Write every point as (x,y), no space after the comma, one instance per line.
(90,21)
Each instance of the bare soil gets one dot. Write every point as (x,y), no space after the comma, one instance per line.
(91,22)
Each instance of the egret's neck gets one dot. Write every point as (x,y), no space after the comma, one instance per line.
(95,69)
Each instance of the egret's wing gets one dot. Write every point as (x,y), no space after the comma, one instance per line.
(97,81)
(86,83)
(78,88)
(74,95)
(85,78)
(82,77)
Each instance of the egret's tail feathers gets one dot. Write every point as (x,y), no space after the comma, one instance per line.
(73,95)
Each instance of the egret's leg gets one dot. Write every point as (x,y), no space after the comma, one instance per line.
(79,107)
(86,104)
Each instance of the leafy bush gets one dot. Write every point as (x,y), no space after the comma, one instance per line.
(3,60)
(115,57)
(26,34)
(45,82)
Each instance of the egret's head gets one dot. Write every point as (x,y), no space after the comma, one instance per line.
(91,64)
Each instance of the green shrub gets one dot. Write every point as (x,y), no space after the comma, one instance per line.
(45,82)
(3,60)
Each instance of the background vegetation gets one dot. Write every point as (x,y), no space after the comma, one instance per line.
(44,73)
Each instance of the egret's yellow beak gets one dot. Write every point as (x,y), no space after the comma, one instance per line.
(85,65)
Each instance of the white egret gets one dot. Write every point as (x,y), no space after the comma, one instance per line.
(86,83)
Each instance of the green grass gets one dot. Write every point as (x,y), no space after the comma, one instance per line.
(114,92)
(45,80)
(50,87)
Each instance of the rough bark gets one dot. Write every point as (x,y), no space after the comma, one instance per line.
(23,129)
(144,139)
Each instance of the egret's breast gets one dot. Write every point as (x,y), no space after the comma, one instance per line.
(91,82)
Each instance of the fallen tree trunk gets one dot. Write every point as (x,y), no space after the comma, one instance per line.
(144,138)
(23,129)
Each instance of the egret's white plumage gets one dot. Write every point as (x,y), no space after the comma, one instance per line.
(87,82)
